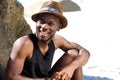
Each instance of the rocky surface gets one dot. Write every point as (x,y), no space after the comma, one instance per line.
(70,6)
(12,26)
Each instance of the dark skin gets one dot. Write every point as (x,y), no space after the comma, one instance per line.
(46,27)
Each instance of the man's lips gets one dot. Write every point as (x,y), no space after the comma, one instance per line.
(44,33)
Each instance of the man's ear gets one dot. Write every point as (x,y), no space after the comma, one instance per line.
(59,27)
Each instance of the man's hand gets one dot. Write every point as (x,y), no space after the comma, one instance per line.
(65,73)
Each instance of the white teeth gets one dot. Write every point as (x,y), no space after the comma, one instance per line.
(44,32)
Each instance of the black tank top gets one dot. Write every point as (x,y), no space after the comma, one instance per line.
(39,65)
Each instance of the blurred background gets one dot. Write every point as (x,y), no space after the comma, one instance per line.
(94,24)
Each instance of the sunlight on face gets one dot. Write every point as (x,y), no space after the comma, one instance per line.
(46,26)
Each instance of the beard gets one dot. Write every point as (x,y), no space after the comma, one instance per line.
(45,40)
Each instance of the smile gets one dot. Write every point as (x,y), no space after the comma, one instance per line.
(44,32)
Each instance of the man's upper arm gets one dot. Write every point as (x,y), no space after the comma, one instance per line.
(17,58)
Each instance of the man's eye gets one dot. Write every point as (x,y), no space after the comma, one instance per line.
(50,23)
(42,21)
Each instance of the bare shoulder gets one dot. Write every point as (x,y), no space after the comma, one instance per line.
(60,41)
(58,38)
(23,41)
(22,47)
(64,44)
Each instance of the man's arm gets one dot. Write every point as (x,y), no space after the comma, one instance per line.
(21,50)
(81,55)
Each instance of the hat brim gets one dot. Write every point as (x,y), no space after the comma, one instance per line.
(61,17)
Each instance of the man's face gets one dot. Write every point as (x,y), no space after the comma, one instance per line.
(46,27)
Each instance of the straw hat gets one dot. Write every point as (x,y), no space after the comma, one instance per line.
(53,8)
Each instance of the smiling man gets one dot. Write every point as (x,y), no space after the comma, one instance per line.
(32,54)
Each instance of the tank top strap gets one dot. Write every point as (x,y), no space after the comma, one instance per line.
(34,39)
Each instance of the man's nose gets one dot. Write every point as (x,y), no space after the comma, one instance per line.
(44,27)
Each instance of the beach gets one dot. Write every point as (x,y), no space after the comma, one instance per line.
(103,63)
(96,28)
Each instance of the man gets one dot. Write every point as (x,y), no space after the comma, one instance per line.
(32,54)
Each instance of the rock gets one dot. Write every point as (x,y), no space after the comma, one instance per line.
(12,26)
(69,6)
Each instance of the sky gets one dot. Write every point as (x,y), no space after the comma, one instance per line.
(96,27)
